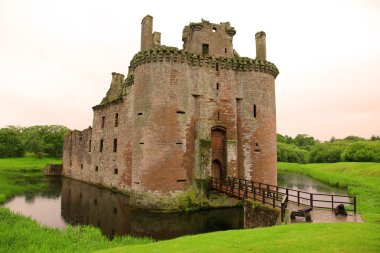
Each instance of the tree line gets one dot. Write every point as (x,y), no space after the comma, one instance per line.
(46,140)
(306,149)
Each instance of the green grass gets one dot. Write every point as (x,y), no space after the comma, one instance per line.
(333,237)
(22,234)
(360,179)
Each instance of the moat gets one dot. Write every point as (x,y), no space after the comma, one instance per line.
(73,202)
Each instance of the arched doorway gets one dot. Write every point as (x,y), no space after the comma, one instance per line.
(219,154)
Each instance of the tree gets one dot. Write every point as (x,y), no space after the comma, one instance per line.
(10,143)
(304,141)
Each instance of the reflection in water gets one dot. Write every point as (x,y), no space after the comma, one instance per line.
(300,182)
(86,204)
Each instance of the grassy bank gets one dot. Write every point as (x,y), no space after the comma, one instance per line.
(360,179)
(333,237)
(21,234)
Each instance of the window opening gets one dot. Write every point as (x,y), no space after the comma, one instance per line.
(103,120)
(218,115)
(101,145)
(217,86)
(254,111)
(205,49)
(96,168)
(214,29)
(114,145)
(217,66)
(116,119)
(116,171)
(89,146)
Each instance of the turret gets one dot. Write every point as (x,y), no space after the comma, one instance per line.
(261,51)
(146,32)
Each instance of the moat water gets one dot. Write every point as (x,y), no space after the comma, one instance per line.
(67,201)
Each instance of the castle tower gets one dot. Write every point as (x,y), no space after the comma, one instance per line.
(261,50)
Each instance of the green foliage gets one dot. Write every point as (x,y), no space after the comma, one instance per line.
(362,151)
(11,143)
(291,153)
(328,152)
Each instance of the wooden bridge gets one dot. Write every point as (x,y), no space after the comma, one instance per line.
(278,197)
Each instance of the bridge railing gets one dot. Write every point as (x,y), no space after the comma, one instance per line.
(318,200)
(243,189)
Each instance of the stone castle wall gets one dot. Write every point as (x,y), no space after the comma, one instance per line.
(177,112)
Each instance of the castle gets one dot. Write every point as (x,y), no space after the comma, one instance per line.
(181,115)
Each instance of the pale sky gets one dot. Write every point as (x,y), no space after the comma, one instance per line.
(56,57)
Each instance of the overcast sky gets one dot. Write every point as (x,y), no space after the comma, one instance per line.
(56,57)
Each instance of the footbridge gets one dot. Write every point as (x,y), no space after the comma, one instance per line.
(280,197)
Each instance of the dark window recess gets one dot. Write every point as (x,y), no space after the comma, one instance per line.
(137,183)
(218,115)
(180,112)
(95,202)
(254,111)
(217,86)
(80,195)
(116,119)
(89,146)
(115,171)
(103,121)
(214,29)
(101,145)
(141,142)
(225,50)
(81,166)
(257,150)
(96,168)
(114,145)
(179,143)
(181,180)
(80,138)
(71,162)
(257,144)
(140,113)
(205,49)
(115,210)
(217,66)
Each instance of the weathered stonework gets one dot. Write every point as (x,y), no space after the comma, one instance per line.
(181,116)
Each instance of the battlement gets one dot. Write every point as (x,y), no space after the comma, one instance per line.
(172,54)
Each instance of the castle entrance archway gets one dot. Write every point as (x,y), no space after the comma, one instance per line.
(219,153)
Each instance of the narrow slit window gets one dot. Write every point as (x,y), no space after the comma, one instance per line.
(96,168)
(116,119)
(205,49)
(101,145)
(181,180)
(217,86)
(140,113)
(225,50)
(114,145)
(254,111)
(81,166)
(116,171)
(89,146)
(218,115)
(103,121)
(180,112)
(217,66)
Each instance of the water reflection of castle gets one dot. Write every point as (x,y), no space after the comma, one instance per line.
(89,205)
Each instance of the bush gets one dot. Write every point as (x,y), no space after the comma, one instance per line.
(10,143)
(290,153)
(328,152)
(362,151)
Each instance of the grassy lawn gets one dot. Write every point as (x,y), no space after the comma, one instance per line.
(20,234)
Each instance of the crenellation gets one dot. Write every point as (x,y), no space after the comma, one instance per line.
(182,116)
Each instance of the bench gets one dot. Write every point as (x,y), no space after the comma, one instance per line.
(302,213)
